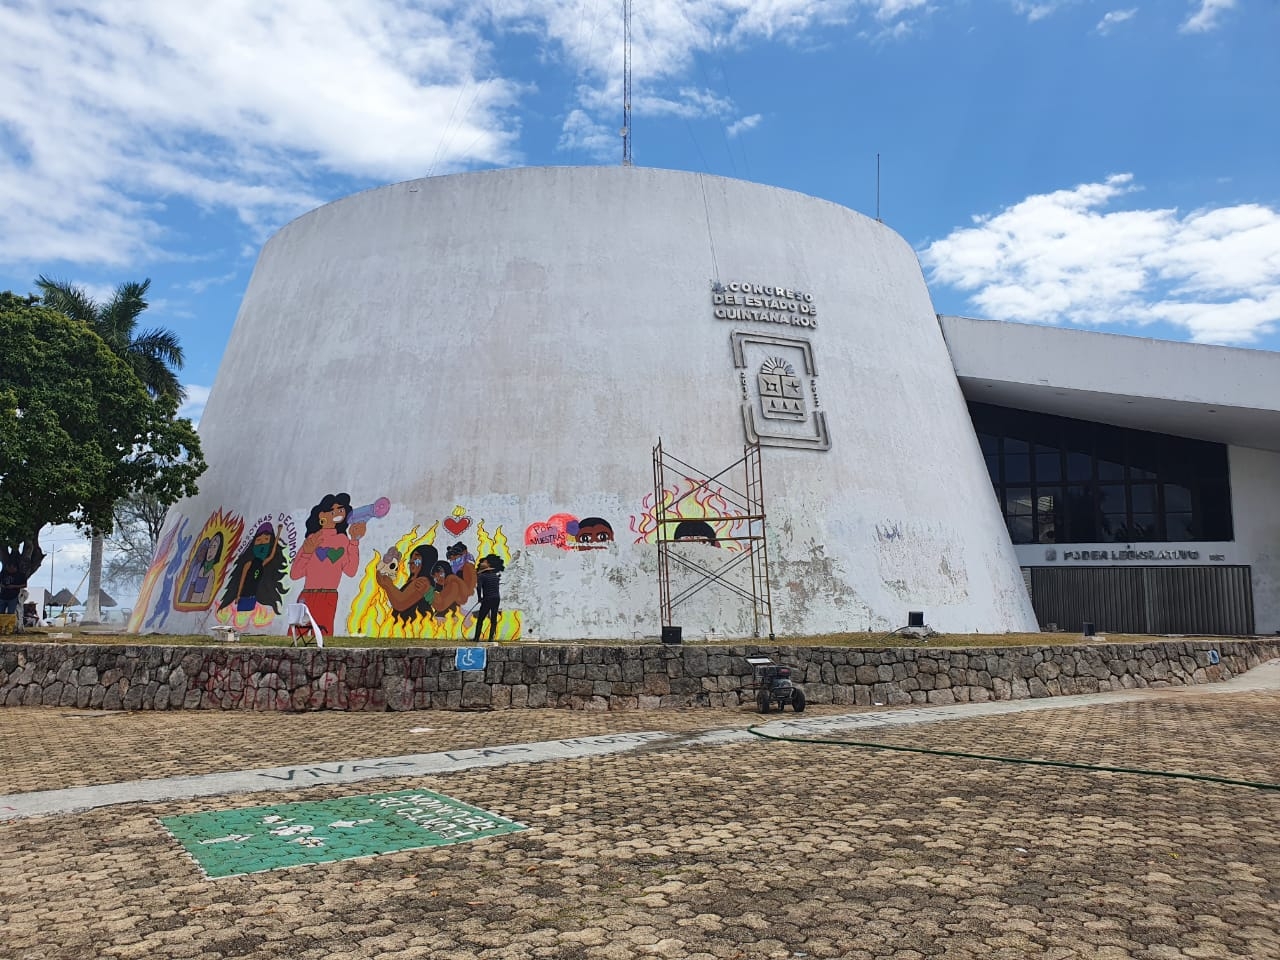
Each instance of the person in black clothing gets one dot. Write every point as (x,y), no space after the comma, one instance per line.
(487,585)
(11,584)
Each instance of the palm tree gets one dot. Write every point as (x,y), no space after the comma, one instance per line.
(155,356)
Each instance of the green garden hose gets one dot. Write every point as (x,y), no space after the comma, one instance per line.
(1206,778)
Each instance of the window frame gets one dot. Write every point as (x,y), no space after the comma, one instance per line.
(1139,463)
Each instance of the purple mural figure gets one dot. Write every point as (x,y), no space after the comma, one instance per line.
(199,587)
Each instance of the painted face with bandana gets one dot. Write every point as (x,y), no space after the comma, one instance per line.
(262,546)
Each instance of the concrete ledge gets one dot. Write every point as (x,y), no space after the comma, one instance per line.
(129,677)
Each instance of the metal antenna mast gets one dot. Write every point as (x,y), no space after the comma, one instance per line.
(626,83)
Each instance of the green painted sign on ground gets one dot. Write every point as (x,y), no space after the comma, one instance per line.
(228,843)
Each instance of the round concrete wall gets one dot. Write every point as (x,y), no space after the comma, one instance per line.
(488,359)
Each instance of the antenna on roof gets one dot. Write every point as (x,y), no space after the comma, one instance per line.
(878,220)
(626,83)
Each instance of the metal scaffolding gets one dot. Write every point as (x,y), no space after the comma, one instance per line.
(748,530)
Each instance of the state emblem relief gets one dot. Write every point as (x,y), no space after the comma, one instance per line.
(781,391)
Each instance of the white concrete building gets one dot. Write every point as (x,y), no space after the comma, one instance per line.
(488,359)
(1180,530)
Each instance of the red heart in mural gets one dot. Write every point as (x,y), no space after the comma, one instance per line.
(455,525)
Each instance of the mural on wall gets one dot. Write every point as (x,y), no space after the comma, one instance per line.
(432,587)
(164,569)
(457,523)
(701,512)
(202,573)
(256,586)
(567,532)
(696,531)
(331,551)
(409,591)
(459,579)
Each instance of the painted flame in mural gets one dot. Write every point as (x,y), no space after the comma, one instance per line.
(260,617)
(689,499)
(371,614)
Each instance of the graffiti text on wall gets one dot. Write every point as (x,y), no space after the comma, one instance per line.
(567,532)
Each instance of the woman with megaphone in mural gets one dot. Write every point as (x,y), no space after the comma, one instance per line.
(329,552)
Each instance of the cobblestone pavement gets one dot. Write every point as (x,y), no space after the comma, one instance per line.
(735,850)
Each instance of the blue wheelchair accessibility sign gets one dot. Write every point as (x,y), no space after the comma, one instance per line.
(470,658)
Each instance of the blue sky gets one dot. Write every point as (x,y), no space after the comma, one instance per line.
(1100,164)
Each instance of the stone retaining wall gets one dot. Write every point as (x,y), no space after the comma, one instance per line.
(93,676)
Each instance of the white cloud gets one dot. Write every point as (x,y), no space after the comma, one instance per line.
(581,133)
(1062,258)
(66,561)
(111,101)
(1206,16)
(887,10)
(1034,11)
(744,124)
(114,109)
(202,284)
(1114,17)
(193,405)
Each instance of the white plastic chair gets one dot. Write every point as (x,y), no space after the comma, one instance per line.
(302,625)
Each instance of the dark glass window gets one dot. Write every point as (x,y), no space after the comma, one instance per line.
(1082,516)
(1048,465)
(1178,527)
(1017,468)
(1050,516)
(1110,470)
(1072,481)
(1177,498)
(1142,497)
(1018,513)
(1079,465)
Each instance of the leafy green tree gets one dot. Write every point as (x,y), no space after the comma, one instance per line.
(78,431)
(154,355)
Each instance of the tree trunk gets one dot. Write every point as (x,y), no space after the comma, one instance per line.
(92,605)
(29,557)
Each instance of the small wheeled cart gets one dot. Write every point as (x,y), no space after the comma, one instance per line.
(772,685)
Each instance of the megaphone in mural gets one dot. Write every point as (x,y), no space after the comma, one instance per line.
(370,511)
